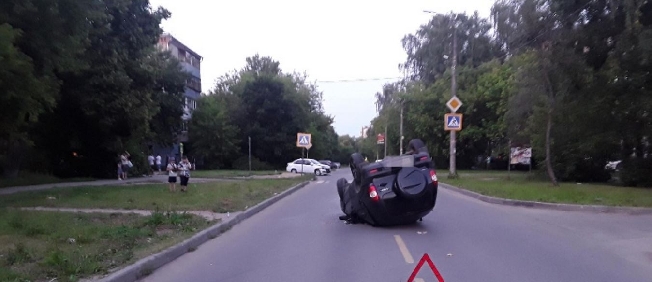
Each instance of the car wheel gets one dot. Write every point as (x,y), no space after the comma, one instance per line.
(416,145)
(317,172)
(293,171)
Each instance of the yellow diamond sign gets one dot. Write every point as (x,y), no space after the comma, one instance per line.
(454,104)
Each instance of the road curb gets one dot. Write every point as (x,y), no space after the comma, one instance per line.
(147,265)
(549,206)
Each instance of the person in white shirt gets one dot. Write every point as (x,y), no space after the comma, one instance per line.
(150,160)
(126,164)
(184,173)
(173,170)
(158,162)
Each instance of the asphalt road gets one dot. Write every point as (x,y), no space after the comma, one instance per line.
(301,239)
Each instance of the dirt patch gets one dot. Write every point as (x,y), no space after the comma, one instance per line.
(488,178)
(164,230)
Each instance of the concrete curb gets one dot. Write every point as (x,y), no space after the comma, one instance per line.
(147,265)
(549,206)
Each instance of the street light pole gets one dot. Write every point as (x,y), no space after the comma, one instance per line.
(249,137)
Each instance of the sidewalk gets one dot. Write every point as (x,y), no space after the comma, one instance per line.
(113,182)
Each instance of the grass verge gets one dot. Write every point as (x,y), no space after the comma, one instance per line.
(42,246)
(30,178)
(231,173)
(522,186)
(214,196)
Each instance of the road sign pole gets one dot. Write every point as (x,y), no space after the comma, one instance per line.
(453,137)
(401,131)
(249,155)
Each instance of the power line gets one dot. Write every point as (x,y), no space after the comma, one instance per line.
(358,79)
(500,57)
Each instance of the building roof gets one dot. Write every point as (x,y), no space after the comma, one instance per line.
(182,46)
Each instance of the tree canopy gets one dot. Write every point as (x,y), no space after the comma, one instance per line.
(269,106)
(81,82)
(569,78)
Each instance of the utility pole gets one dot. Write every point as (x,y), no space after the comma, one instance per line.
(249,155)
(453,141)
(401,129)
(385,143)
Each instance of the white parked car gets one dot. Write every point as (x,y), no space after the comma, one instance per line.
(307,166)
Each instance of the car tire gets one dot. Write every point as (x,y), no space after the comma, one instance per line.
(356,163)
(318,172)
(293,171)
(410,183)
(416,145)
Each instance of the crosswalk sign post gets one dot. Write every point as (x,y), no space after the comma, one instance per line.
(304,140)
(453,122)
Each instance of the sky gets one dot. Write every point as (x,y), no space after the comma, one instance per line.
(332,41)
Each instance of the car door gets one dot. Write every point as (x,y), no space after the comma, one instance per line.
(299,165)
(304,166)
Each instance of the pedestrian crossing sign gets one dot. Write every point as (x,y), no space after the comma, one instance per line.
(453,122)
(304,140)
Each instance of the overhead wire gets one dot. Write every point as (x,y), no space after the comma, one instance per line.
(501,57)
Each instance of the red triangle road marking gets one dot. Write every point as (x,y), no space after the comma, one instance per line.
(426,258)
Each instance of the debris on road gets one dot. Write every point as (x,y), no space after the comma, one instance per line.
(422,232)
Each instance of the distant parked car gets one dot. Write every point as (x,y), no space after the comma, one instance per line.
(307,166)
(328,163)
(336,164)
(614,165)
(327,167)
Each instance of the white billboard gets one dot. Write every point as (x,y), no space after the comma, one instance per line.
(520,155)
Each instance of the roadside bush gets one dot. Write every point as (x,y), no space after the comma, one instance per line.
(637,172)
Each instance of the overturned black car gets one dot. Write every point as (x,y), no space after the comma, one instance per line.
(395,191)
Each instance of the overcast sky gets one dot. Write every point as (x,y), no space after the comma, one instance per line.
(330,40)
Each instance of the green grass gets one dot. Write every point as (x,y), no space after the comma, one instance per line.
(214,196)
(30,178)
(41,246)
(231,173)
(532,187)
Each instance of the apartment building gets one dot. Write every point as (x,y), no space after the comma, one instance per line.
(191,62)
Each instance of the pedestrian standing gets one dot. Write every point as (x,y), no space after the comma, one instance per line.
(150,161)
(172,171)
(184,173)
(126,164)
(158,162)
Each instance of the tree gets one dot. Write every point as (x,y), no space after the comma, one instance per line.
(429,49)
(106,107)
(38,40)
(168,93)
(271,107)
(213,131)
